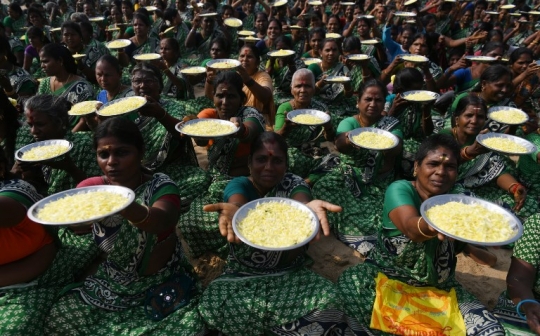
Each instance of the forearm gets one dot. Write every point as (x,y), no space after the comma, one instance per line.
(261,93)
(191,38)
(175,80)
(209,90)
(427,122)
(150,218)
(76,174)
(504,181)
(509,35)
(123,59)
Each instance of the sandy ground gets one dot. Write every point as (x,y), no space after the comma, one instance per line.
(331,258)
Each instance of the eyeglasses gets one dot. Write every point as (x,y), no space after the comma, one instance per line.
(145,81)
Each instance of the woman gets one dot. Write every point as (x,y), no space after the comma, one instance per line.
(227,158)
(337,96)
(219,48)
(261,25)
(268,297)
(141,42)
(487,174)
(72,37)
(198,43)
(37,19)
(359,70)
(15,23)
(269,43)
(117,28)
(494,88)
(165,150)
(304,142)
(179,33)
(526,84)
(519,33)
(416,119)
(63,81)
(298,37)
(144,258)
(27,254)
(522,284)
(15,81)
(316,36)
(409,250)
(365,27)
(37,40)
(358,180)
(108,76)
(464,28)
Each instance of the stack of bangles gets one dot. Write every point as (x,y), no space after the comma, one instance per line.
(464,155)
(518,307)
(514,187)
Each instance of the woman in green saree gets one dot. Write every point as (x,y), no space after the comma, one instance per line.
(15,23)
(465,28)
(337,96)
(180,31)
(108,76)
(358,180)
(199,42)
(358,69)
(411,251)
(15,81)
(144,259)
(487,174)
(269,292)
(304,142)
(227,158)
(526,83)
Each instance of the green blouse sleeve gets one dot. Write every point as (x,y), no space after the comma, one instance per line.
(399,193)
(347,124)
(240,185)
(316,69)
(8,22)
(281,115)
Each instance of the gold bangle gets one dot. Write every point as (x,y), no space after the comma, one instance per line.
(420,230)
(145,218)
(464,153)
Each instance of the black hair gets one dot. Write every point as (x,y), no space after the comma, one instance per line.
(9,115)
(231,78)
(14,6)
(485,26)
(333,16)
(144,11)
(254,50)
(225,7)
(495,72)
(144,18)
(516,54)
(277,21)
(148,67)
(268,137)
(481,3)
(371,83)
(87,26)
(285,40)
(55,107)
(405,78)
(170,14)
(426,18)
(122,129)
(317,30)
(37,32)
(72,25)
(351,43)
(466,101)
(492,33)
(365,20)
(435,141)
(128,3)
(5,48)
(112,61)
(174,44)
(330,40)
(223,43)
(58,52)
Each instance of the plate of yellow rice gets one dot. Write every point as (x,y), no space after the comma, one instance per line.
(308,117)
(414,58)
(43,151)
(81,205)
(223,64)
(281,53)
(506,143)
(309,61)
(507,115)
(233,22)
(471,220)
(83,108)
(207,128)
(147,57)
(420,96)
(275,224)
(121,106)
(373,138)
(194,70)
(118,44)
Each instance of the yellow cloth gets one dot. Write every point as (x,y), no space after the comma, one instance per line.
(402,309)
(268,110)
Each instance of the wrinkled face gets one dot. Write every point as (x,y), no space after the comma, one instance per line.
(71,38)
(302,89)
(371,103)
(108,78)
(268,165)
(522,63)
(472,120)
(497,90)
(120,162)
(437,173)
(145,84)
(227,100)
(330,52)
(140,28)
(43,127)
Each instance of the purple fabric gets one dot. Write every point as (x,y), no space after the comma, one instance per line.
(30,50)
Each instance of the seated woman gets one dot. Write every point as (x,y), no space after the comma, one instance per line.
(144,258)
(267,297)
(72,37)
(337,96)
(198,42)
(409,250)
(15,81)
(62,80)
(219,48)
(108,76)
(27,252)
(416,120)
(269,43)
(257,84)
(165,150)
(36,40)
(315,38)
(358,70)
(357,179)
(180,31)
(526,83)
(281,69)
(304,142)
(487,174)
(227,158)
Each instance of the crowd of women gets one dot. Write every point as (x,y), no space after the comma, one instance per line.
(129,274)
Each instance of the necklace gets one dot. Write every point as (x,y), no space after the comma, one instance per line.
(54,88)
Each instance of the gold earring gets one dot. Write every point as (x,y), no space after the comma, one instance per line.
(414,173)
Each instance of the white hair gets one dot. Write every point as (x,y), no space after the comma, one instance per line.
(303,72)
